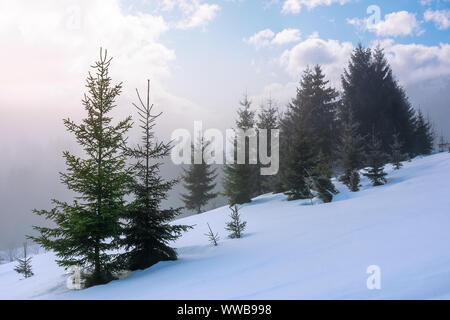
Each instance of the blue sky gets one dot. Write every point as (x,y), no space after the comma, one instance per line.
(225,63)
(203,55)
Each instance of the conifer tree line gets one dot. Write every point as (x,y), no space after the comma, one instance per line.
(117,222)
(326,133)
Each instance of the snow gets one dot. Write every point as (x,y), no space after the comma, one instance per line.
(294,250)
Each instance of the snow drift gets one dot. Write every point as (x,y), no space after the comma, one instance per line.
(294,250)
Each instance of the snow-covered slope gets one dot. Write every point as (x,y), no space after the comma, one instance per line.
(294,250)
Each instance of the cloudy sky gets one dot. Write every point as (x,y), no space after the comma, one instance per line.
(201,56)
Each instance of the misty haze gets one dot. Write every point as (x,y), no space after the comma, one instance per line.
(359,94)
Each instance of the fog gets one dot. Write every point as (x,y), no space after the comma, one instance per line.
(33,141)
(31,159)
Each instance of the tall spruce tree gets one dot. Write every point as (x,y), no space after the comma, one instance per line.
(322,115)
(424,135)
(376,99)
(311,113)
(87,230)
(240,179)
(298,158)
(351,153)
(285,128)
(376,159)
(24,266)
(316,103)
(148,231)
(267,120)
(199,181)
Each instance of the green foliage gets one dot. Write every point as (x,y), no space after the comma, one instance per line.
(213,237)
(396,152)
(240,179)
(306,131)
(376,100)
(321,180)
(199,181)
(24,266)
(87,229)
(236,226)
(298,159)
(354,180)
(376,159)
(424,135)
(267,120)
(351,153)
(316,108)
(147,231)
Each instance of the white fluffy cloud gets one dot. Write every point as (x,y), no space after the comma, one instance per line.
(332,55)
(401,23)
(441,18)
(267,37)
(195,13)
(50,47)
(295,6)
(261,39)
(287,36)
(51,43)
(413,63)
(395,24)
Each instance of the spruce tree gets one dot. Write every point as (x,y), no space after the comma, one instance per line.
(320,107)
(240,179)
(351,153)
(213,237)
(424,135)
(355,179)
(87,229)
(310,184)
(236,226)
(298,158)
(376,159)
(24,266)
(267,120)
(376,99)
(321,178)
(357,99)
(307,129)
(396,152)
(316,108)
(199,182)
(148,232)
